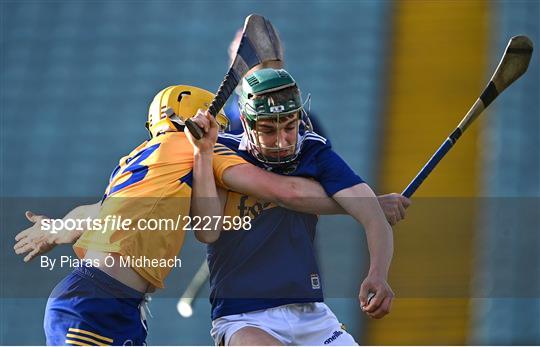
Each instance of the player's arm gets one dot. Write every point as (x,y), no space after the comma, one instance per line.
(357,198)
(361,203)
(37,240)
(205,201)
(300,194)
(295,193)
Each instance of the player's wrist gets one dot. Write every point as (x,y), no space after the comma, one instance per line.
(203,154)
(376,272)
(66,237)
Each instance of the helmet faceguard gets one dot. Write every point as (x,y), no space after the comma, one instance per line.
(173,105)
(270,99)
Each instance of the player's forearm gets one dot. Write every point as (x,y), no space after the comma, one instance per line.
(83,212)
(308,196)
(381,247)
(295,193)
(380,241)
(361,203)
(204,199)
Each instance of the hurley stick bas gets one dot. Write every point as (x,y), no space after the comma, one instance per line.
(513,64)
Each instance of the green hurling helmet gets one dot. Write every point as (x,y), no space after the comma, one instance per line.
(252,102)
(272,94)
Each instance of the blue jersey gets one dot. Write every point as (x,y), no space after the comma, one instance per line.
(274,262)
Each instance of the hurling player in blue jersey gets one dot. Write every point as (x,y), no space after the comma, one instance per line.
(393,204)
(265,282)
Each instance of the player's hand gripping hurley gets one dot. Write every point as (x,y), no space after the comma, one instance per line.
(513,64)
(259,44)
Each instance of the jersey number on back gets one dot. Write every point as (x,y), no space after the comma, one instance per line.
(138,171)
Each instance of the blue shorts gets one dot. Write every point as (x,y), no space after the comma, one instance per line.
(89,307)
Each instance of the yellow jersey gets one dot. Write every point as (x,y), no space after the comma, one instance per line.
(151,185)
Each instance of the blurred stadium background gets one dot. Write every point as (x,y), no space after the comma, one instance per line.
(389,80)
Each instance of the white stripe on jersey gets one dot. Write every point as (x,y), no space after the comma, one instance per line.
(232,135)
(313,136)
(236,138)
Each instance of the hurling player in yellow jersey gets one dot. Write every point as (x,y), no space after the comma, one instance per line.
(99,302)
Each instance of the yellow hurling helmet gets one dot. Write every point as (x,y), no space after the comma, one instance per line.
(173,105)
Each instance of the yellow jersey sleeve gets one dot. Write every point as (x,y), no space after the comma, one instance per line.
(223,159)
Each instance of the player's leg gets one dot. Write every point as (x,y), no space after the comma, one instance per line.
(256,328)
(316,325)
(251,336)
